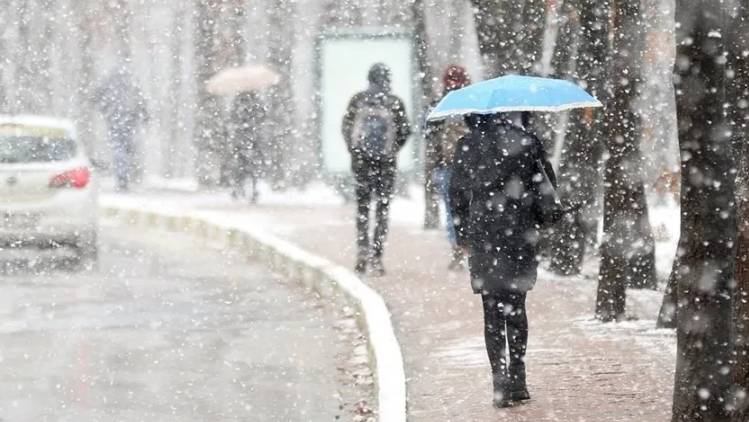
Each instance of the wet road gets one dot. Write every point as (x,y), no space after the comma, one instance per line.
(163,331)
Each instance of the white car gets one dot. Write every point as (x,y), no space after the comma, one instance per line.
(48,195)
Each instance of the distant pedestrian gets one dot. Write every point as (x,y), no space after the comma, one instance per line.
(375,128)
(501,192)
(124,108)
(441,138)
(247,131)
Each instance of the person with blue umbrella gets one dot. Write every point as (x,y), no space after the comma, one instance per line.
(502,192)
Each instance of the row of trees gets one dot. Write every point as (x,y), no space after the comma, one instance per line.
(601,45)
(59,50)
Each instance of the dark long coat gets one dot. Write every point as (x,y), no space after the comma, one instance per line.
(247,133)
(496,196)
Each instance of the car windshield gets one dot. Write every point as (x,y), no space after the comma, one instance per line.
(33,149)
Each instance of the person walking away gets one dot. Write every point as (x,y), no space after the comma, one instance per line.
(124,108)
(246,134)
(441,138)
(501,192)
(375,128)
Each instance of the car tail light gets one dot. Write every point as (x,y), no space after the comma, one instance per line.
(77,178)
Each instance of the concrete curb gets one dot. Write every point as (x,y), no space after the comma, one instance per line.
(328,279)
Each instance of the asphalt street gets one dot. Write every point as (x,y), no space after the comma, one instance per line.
(164,330)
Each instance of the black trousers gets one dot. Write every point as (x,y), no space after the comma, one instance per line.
(243,168)
(375,181)
(506,333)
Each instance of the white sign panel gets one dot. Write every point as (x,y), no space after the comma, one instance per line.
(344,66)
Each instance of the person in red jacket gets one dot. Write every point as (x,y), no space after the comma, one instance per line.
(441,138)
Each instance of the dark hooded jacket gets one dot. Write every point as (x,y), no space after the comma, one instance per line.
(379,91)
(496,195)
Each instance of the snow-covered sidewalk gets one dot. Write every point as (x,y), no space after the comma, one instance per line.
(578,369)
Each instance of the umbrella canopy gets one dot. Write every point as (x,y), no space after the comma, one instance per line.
(242,79)
(514,93)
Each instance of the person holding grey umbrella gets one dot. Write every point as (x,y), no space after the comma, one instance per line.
(246,135)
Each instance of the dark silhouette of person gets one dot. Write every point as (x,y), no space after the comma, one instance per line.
(501,193)
(375,128)
(124,108)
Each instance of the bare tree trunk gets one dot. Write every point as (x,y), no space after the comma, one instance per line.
(739,43)
(457,31)
(510,34)
(171,145)
(669,306)
(568,22)
(741,295)
(24,77)
(85,87)
(43,58)
(628,248)
(421,39)
(706,266)
(234,44)
(530,46)
(580,164)
(209,134)
(281,44)
(5,16)
(121,19)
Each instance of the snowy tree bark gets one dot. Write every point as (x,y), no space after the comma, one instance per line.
(85,77)
(667,313)
(208,136)
(25,57)
(457,30)
(741,295)
(510,34)
(177,84)
(628,249)
(568,22)
(707,253)
(579,168)
(282,128)
(426,80)
(739,43)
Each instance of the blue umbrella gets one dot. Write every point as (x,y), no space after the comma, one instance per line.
(514,93)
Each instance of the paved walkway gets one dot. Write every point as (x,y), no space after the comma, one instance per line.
(578,369)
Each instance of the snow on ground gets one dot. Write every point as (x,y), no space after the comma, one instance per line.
(406,210)
(169,196)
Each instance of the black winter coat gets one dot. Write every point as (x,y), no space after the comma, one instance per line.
(495,196)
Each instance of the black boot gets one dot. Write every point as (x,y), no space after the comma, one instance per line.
(378,269)
(361,266)
(361,262)
(502,397)
(518,388)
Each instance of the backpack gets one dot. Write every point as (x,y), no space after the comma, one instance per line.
(374,131)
